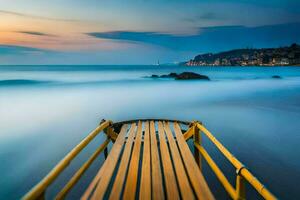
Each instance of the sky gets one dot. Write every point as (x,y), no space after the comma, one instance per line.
(140,31)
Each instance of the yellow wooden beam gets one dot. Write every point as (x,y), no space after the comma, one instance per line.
(228,187)
(40,188)
(189,133)
(260,188)
(62,194)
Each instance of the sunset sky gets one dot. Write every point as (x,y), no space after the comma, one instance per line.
(139,31)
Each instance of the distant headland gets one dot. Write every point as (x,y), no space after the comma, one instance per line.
(283,56)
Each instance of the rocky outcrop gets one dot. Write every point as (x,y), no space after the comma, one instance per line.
(276,76)
(182,76)
(171,75)
(190,75)
(154,76)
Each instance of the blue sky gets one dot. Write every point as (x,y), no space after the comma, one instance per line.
(139,31)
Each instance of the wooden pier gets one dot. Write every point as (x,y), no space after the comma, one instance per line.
(150,159)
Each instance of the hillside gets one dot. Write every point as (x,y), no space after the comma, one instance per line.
(283,56)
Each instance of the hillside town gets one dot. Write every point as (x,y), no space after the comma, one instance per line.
(283,56)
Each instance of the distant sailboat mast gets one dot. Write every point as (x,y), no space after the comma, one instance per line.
(158,62)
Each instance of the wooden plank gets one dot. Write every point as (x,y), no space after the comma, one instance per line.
(145,186)
(109,166)
(97,178)
(157,184)
(169,174)
(88,192)
(200,186)
(120,177)
(197,140)
(132,177)
(183,181)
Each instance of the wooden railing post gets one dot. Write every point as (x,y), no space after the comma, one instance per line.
(42,196)
(105,153)
(240,187)
(107,131)
(197,140)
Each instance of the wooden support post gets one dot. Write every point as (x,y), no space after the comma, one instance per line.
(42,196)
(197,140)
(105,153)
(107,131)
(240,188)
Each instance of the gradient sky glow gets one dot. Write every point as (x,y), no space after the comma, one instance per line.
(139,31)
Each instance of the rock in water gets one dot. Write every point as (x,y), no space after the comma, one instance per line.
(182,76)
(154,76)
(171,75)
(276,76)
(191,76)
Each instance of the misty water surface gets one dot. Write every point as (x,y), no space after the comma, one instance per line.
(47,110)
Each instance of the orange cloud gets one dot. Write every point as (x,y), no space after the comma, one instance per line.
(52,34)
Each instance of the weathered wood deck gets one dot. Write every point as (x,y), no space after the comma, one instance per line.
(149,160)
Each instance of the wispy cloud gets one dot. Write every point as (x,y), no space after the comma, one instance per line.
(212,38)
(209,16)
(36,16)
(17,50)
(34,33)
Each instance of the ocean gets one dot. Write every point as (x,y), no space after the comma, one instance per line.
(46,110)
